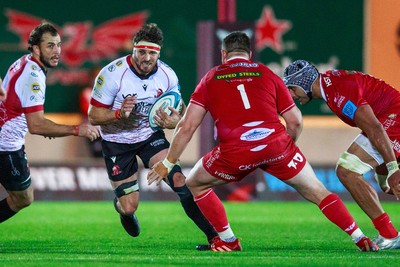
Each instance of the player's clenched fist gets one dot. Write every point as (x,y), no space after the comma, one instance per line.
(89,131)
(394,183)
(127,106)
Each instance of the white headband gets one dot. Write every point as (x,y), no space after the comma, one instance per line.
(147,45)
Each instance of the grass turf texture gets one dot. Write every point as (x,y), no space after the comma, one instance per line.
(272,234)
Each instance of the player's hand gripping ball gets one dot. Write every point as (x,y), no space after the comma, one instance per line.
(168,99)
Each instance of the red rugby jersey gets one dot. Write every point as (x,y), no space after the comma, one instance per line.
(244,98)
(345,91)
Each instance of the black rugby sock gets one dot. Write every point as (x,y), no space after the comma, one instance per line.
(194,213)
(5,211)
(190,207)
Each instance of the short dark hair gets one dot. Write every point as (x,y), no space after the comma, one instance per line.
(35,37)
(236,41)
(149,33)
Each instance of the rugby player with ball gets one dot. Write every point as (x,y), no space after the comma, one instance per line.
(123,96)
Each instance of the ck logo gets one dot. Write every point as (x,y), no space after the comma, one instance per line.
(296,159)
(144,86)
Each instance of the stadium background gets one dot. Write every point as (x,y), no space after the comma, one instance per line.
(358,34)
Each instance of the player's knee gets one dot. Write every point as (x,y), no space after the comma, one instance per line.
(128,201)
(20,201)
(126,205)
(177,183)
(349,164)
(128,208)
(176,177)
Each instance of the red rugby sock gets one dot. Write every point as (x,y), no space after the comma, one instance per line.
(335,210)
(384,226)
(213,209)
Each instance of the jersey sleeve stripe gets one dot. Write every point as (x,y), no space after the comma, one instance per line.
(98,104)
(197,103)
(287,109)
(33,109)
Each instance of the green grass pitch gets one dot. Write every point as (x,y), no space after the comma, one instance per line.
(272,234)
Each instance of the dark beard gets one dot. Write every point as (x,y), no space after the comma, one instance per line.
(45,62)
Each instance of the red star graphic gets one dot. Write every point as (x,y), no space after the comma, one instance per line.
(269,30)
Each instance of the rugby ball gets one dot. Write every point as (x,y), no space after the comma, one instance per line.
(168,99)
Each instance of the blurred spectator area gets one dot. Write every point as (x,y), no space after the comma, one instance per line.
(322,140)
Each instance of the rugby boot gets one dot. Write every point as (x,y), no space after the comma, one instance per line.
(388,243)
(130,224)
(219,245)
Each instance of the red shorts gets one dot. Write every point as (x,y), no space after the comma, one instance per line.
(279,157)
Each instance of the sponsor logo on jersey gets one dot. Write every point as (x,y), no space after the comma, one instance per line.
(142,108)
(157,142)
(396,145)
(128,95)
(159,92)
(351,227)
(100,80)
(349,109)
(118,63)
(97,92)
(34,67)
(116,170)
(224,175)
(214,156)
(111,68)
(266,161)
(338,99)
(36,98)
(35,87)
(327,81)
(388,123)
(256,134)
(34,74)
(244,64)
(235,75)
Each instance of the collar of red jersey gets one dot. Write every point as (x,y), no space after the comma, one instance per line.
(237,57)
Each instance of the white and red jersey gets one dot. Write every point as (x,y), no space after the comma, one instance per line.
(244,98)
(118,80)
(25,84)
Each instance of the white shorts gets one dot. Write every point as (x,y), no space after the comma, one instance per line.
(367,146)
